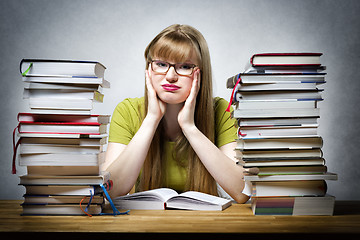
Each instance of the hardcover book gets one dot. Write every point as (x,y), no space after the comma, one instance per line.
(64,68)
(286,59)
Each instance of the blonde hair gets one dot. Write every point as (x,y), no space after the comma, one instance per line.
(176,43)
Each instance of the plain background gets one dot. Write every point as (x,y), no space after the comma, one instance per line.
(116,33)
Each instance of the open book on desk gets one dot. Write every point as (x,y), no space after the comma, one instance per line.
(165,198)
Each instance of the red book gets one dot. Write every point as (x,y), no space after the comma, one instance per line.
(285,59)
(63,118)
(63,123)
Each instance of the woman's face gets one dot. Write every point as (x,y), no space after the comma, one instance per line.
(171,87)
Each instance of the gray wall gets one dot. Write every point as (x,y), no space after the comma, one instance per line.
(117,32)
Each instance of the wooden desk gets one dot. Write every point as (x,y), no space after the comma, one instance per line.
(236,219)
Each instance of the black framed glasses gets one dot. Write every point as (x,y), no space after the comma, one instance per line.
(182,69)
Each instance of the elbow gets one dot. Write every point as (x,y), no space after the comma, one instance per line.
(241,198)
(120,191)
(114,194)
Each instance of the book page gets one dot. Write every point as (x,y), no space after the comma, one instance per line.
(204,197)
(162,194)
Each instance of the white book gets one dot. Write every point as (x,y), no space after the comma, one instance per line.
(61,209)
(61,68)
(62,128)
(286,59)
(167,198)
(71,190)
(306,205)
(278,86)
(282,162)
(314,205)
(266,95)
(62,93)
(278,75)
(65,106)
(279,143)
(61,159)
(259,78)
(66,86)
(67,80)
(274,104)
(284,69)
(63,139)
(266,154)
(64,180)
(291,177)
(60,111)
(291,170)
(57,148)
(254,132)
(289,188)
(311,121)
(53,199)
(276,113)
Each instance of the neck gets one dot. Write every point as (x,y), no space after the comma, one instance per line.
(172,127)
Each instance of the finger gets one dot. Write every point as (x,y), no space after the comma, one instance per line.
(251,171)
(198,76)
(195,85)
(149,85)
(198,79)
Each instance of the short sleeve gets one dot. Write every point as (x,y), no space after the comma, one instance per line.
(225,130)
(126,120)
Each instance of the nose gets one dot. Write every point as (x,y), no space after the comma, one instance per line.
(171,75)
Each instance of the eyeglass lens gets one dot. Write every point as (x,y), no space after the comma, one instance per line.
(180,68)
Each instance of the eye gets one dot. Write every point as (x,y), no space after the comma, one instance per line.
(161,64)
(186,66)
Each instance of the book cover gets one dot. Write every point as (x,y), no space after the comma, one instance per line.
(55,68)
(285,59)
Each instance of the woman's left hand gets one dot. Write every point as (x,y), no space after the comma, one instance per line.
(186,115)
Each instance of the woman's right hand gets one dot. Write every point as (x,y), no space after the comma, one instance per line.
(156,107)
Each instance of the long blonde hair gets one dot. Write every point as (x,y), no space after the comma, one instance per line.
(177,43)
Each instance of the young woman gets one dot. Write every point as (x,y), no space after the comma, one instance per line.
(177,135)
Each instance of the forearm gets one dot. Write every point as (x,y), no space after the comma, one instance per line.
(125,167)
(222,168)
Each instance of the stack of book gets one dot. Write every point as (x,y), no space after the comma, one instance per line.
(61,142)
(276,106)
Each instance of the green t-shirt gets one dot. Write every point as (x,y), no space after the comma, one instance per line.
(126,121)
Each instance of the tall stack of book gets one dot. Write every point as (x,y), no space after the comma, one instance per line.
(61,142)
(276,106)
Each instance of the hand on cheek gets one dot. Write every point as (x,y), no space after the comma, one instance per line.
(156,107)
(186,115)
(195,87)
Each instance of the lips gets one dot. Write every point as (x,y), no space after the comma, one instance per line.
(170,87)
